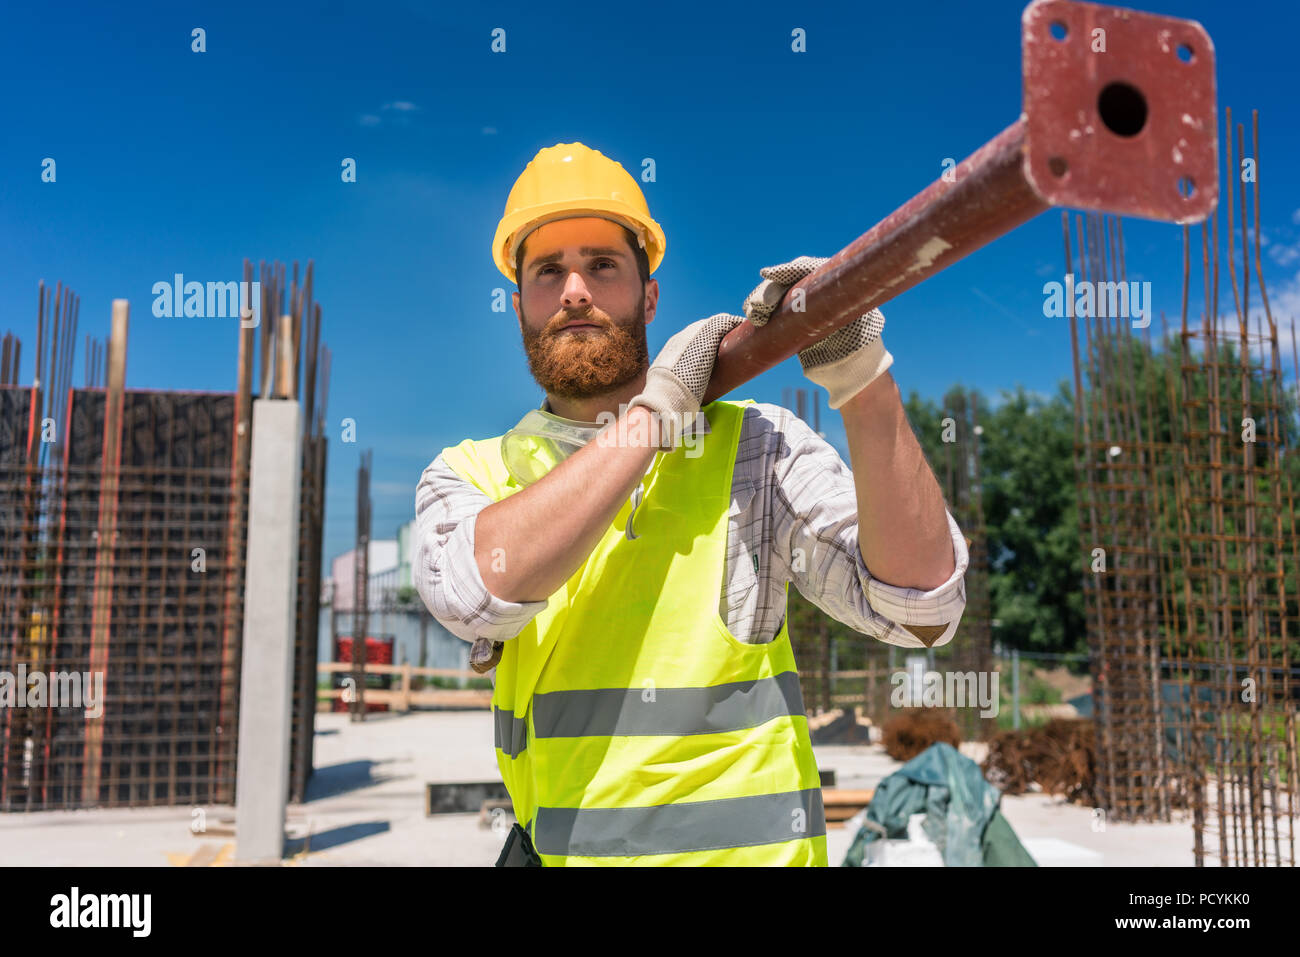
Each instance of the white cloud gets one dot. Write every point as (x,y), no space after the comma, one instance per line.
(1284,302)
(1284,254)
(489,131)
(397,113)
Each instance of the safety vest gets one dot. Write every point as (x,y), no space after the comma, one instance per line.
(631,726)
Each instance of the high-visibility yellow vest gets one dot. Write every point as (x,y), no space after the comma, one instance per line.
(632,727)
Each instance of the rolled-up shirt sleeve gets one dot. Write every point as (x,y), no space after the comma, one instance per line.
(445,572)
(818,518)
(933,614)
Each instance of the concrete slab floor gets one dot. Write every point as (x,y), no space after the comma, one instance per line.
(366,807)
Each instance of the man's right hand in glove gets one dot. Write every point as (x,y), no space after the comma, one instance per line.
(676,382)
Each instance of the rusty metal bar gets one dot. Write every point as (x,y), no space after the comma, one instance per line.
(269,312)
(52,384)
(361,589)
(40,332)
(1131,132)
(326,360)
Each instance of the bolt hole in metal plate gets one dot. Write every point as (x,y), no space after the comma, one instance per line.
(1120,111)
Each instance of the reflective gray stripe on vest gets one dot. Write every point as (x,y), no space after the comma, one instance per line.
(510,734)
(630,711)
(678,828)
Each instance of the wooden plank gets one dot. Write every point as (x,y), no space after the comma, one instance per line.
(329,667)
(843,798)
(106,535)
(205,856)
(841,813)
(453,697)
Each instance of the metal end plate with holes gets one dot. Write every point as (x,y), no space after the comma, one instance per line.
(1130,130)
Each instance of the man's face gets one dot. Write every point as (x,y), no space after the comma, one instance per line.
(582,308)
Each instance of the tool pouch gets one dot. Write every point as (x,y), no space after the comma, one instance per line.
(518,850)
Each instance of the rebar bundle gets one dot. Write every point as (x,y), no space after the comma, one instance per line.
(1122,459)
(123,528)
(1187,523)
(1233,662)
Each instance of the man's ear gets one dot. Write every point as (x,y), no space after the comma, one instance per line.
(514,301)
(651,300)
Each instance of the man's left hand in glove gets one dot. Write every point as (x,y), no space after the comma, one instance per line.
(846,361)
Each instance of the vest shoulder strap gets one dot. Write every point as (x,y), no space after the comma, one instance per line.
(479,461)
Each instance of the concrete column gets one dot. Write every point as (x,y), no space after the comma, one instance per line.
(270,613)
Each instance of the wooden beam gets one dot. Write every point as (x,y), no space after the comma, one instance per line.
(106,538)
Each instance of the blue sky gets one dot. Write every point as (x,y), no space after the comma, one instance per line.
(173,161)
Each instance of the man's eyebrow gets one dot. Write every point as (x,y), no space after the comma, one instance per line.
(584,251)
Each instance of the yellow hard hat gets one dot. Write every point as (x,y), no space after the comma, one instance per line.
(567,180)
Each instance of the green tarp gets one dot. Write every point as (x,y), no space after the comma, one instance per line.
(960,807)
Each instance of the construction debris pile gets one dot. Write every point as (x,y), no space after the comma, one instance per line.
(908,734)
(1059,757)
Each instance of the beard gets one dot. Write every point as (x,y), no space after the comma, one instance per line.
(584,365)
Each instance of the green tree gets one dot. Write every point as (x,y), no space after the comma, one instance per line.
(1035,568)
(1030,521)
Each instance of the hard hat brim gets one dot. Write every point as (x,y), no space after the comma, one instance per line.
(514,229)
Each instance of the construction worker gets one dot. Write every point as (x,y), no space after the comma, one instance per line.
(621,559)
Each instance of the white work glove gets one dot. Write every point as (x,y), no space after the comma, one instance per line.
(679,376)
(484,654)
(846,361)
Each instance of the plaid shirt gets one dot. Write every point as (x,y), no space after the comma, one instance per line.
(793,518)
